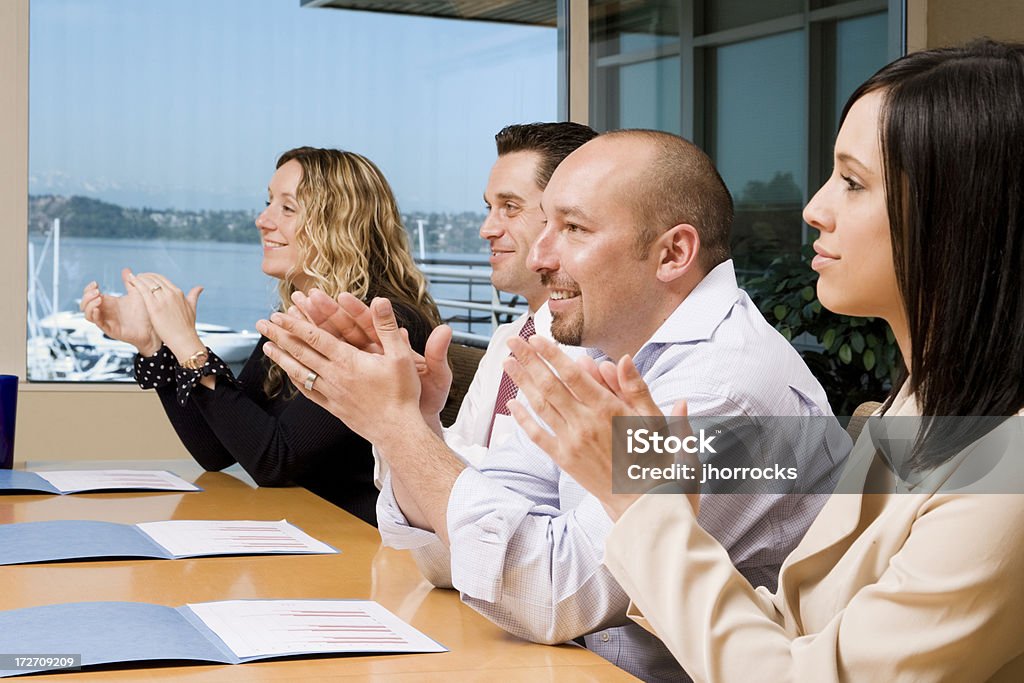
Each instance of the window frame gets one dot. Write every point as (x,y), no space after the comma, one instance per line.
(14,182)
(690,49)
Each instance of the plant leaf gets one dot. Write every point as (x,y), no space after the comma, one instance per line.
(780,311)
(857,342)
(845,354)
(829,338)
(869,359)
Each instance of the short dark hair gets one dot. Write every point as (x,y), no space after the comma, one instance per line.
(952,136)
(552,141)
(681,185)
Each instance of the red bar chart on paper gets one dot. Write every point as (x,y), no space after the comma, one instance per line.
(267,628)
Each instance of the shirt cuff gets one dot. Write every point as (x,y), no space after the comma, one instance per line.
(380,468)
(188,379)
(153,372)
(483,516)
(395,530)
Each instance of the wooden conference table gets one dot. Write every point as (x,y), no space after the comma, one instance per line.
(363,570)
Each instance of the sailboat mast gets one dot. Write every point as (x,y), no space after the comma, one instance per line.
(419,230)
(56,265)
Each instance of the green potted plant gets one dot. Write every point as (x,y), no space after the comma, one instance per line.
(855,359)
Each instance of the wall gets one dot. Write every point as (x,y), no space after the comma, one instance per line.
(954,21)
(93,424)
(935,23)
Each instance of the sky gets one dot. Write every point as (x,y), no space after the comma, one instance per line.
(187,103)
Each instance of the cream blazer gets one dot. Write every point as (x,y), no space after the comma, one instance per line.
(883,587)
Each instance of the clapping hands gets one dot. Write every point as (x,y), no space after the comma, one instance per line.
(375,394)
(351,320)
(578,401)
(124,318)
(151,312)
(172,313)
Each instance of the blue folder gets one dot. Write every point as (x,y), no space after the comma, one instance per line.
(112,632)
(20,480)
(106,632)
(27,542)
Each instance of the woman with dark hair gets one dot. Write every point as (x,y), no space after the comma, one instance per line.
(332,223)
(914,570)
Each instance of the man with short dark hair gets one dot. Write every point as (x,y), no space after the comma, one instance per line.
(623,277)
(527,156)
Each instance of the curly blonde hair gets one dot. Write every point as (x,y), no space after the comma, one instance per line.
(350,238)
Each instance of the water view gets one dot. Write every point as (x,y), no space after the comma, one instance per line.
(63,347)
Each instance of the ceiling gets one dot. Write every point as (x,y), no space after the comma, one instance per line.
(534,12)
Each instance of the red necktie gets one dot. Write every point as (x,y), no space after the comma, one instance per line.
(507,389)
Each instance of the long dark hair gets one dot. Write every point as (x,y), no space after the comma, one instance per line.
(952,139)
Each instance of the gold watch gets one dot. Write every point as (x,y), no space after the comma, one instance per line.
(196,360)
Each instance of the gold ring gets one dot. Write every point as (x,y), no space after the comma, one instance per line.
(310,378)
(153,289)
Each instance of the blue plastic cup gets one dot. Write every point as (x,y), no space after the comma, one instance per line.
(8,413)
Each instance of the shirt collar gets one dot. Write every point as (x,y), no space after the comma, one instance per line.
(542,320)
(698,315)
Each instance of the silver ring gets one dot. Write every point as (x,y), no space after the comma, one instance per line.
(153,289)
(310,378)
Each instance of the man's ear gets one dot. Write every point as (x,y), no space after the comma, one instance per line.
(678,249)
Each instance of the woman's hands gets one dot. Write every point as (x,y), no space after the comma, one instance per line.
(124,318)
(172,313)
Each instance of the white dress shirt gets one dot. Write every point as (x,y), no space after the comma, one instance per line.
(467,436)
(527,541)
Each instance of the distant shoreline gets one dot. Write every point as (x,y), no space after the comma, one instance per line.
(445,234)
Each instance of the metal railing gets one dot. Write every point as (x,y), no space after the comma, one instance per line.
(467,300)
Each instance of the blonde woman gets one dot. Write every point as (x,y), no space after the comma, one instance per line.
(332,223)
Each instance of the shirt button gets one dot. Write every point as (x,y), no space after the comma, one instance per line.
(605,638)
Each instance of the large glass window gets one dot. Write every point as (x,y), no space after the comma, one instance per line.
(758,85)
(756,133)
(154,128)
(635,75)
(721,15)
